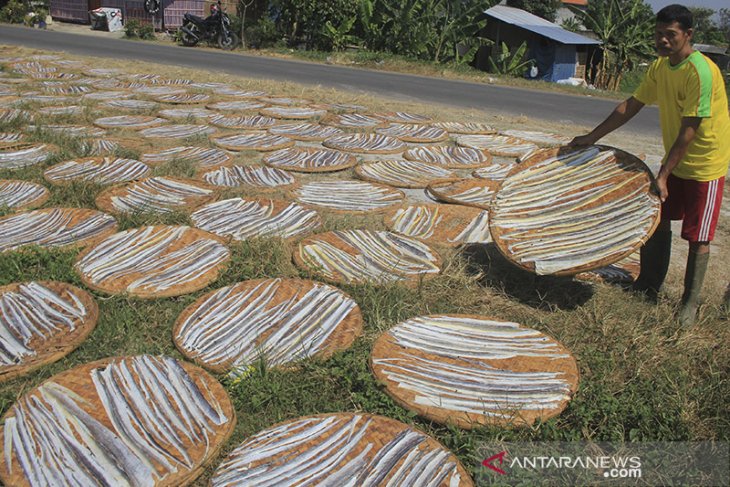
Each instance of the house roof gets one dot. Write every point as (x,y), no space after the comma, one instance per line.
(533,23)
(709,49)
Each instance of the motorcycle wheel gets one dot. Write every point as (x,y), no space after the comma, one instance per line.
(187,39)
(227,43)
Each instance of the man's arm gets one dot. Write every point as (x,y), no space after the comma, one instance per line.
(687,132)
(624,112)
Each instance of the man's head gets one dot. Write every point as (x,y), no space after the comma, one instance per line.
(673,32)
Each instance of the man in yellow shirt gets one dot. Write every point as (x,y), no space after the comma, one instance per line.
(693,113)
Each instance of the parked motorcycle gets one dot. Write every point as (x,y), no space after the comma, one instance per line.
(214,28)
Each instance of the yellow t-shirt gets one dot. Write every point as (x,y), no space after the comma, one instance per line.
(692,88)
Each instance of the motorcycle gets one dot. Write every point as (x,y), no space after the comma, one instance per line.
(214,28)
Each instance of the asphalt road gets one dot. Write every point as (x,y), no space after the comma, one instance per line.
(557,107)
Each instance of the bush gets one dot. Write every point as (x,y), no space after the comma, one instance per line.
(134,29)
(14,12)
(305,21)
(262,34)
(38,17)
(631,80)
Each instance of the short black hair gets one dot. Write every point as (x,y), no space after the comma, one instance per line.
(676,13)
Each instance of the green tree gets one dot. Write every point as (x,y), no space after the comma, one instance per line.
(306,20)
(510,63)
(625,28)
(547,9)
(438,30)
(724,23)
(572,24)
(706,31)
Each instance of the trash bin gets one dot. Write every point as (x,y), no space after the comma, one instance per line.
(106,18)
(98,20)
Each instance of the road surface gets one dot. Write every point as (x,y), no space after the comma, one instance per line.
(558,107)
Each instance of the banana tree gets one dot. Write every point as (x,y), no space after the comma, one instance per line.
(508,63)
(625,28)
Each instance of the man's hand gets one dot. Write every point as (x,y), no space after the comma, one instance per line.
(582,140)
(661,186)
(624,112)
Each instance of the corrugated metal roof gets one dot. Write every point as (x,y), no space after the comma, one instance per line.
(533,23)
(709,48)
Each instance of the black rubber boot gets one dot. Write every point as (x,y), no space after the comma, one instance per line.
(726,302)
(655,255)
(694,276)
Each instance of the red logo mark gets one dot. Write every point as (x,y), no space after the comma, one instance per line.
(499,456)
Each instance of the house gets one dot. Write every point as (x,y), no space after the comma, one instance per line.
(720,55)
(168,18)
(557,53)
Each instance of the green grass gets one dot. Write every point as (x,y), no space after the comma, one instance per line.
(642,379)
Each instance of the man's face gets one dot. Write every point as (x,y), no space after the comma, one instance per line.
(671,38)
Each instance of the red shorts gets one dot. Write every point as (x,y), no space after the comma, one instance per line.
(696,203)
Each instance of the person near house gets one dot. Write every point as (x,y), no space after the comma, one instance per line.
(693,114)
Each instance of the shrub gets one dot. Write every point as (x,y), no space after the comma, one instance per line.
(14,12)
(305,21)
(134,29)
(262,34)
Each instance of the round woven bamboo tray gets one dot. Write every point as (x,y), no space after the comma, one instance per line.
(305,131)
(403,173)
(624,271)
(310,160)
(465,128)
(140,261)
(451,225)
(159,194)
(473,370)
(468,192)
(253,140)
(371,450)
(314,320)
(24,155)
(202,157)
(586,209)
(541,139)
(255,177)
(236,122)
(344,196)
(242,219)
(181,131)
(55,227)
(361,256)
(181,453)
(100,170)
(498,145)
(404,117)
(354,121)
(418,134)
(293,113)
(449,156)
(10,139)
(132,122)
(79,317)
(366,144)
(22,195)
